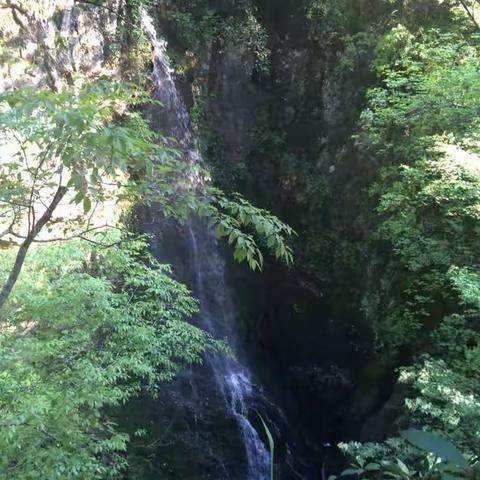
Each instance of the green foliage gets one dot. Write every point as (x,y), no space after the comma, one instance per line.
(433,457)
(225,174)
(360,468)
(84,146)
(328,20)
(385,469)
(386,452)
(429,456)
(449,461)
(420,132)
(235,219)
(85,330)
(429,89)
(81,140)
(198,29)
(271,443)
(357,52)
(137,59)
(137,5)
(445,396)
(243,31)
(422,126)
(300,184)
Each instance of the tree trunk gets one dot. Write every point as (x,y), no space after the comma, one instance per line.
(22,251)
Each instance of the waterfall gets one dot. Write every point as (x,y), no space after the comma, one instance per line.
(233,380)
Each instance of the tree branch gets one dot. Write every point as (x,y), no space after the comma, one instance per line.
(10,227)
(469,13)
(80,235)
(14,6)
(17,9)
(23,250)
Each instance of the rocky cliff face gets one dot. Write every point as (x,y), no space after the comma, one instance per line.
(57,43)
(280,132)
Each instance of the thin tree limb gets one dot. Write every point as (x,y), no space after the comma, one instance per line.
(10,227)
(470,13)
(24,247)
(80,235)
(17,9)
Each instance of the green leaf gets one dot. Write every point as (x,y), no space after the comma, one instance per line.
(220,231)
(351,471)
(87,204)
(431,443)
(79,197)
(393,470)
(403,467)
(271,444)
(77,181)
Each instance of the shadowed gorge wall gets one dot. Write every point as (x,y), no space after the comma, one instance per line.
(274,108)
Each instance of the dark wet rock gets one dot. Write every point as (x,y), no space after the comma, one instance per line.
(320,380)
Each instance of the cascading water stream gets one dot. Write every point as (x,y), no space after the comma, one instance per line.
(216,309)
(217,317)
